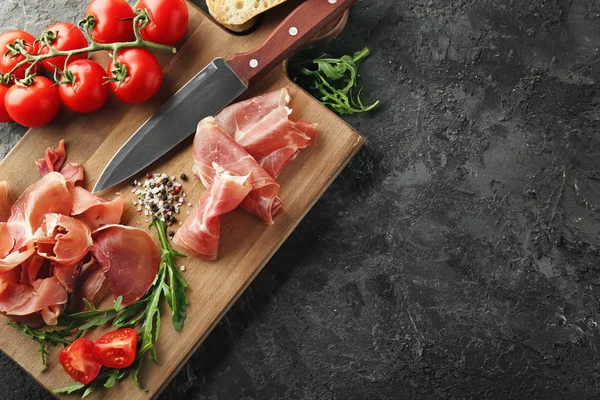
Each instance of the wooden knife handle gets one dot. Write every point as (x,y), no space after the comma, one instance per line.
(305,22)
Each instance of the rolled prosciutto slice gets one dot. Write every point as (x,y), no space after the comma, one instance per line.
(53,159)
(129,260)
(213,145)
(95,211)
(262,126)
(200,232)
(4,203)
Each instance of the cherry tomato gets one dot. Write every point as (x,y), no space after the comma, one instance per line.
(114,21)
(117,349)
(143,77)
(7,60)
(68,37)
(88,92)
(4,117)
(34,105)
(79,360)
(168,20)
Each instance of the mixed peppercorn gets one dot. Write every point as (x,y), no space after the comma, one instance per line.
(160,197)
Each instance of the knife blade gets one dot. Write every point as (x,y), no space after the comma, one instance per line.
(214,88)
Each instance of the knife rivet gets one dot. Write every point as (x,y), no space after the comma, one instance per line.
(253,63)
(332,1)
(293,31)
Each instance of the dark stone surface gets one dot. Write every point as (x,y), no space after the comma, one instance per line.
(457,256)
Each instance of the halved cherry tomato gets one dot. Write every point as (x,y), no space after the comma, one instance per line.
(79,360)
(34,105)
(168,20)
(114,21)
(8,59)
(4,117)
(86,90)
(66,36)
(143,75)
(117,349)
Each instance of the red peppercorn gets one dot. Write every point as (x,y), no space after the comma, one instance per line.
(148,175)
(177,189)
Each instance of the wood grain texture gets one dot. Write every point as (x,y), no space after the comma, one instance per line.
(247,244)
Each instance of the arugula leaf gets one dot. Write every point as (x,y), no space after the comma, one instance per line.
(53,337)
(175,293)
(334,80)
(70,389)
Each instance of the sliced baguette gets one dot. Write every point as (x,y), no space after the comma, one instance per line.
(239,15)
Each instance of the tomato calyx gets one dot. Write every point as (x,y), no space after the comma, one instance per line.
(27,81)
(16,48)
(119,72)
(47,38)
(66,78)
(6,79)
(143,18)
(87,24)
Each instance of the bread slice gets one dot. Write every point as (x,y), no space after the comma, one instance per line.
(239,15)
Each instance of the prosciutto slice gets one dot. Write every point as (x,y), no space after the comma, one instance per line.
(128,258)
(95,211)
(73,173)
(90,284)
(200,233)
(263,128)
(4,203)
(63,239)
(213,145)
(48,195)
(23,300)
(53,159)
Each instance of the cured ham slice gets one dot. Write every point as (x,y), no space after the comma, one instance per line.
(90,284)
(48,195)
(67,275)
(73,172)
(23,300)
(95,211)
(16,258)
(63,239)
(6,240)
(129,260)
(200,233)
(4,203)
(213,145)
(263,128)
(34,268)
(53,159)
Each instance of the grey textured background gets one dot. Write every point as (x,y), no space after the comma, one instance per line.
(457,256)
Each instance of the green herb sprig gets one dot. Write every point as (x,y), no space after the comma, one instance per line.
(52,337)
(168,283)
(334,80)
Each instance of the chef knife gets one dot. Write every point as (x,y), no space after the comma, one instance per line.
(214,88)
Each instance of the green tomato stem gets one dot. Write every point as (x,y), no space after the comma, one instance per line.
(92,48)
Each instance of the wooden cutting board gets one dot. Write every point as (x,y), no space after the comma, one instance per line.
(247,244)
